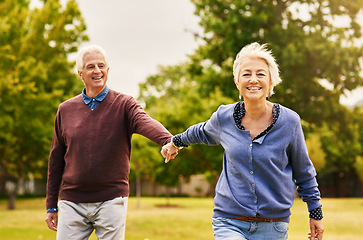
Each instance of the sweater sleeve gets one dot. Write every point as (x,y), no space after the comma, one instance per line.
(56,164)
(141,123)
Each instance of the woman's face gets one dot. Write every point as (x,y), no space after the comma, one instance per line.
(254,81)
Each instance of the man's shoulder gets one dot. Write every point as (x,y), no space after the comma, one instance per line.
(121,98)
(118,95)
(72,101)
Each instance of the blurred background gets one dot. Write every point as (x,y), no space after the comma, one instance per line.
(175,57)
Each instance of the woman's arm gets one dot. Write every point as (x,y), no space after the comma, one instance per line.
(202,133)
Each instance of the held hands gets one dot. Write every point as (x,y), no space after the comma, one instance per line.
(169,151)
(316,230)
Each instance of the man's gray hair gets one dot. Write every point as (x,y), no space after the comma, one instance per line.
(87,50)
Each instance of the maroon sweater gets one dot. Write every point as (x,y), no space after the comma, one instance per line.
(90,155)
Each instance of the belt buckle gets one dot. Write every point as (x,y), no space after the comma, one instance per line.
(250,219)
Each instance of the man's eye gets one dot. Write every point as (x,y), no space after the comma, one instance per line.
(261,74)
(246,75)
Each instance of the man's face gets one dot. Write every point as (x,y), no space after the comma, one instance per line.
(94,73)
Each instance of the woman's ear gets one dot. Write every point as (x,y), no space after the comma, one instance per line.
(269,90)
(236,82)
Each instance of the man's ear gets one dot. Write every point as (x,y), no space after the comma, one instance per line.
(80,74)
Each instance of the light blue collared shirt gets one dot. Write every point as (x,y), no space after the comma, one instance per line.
(93,102)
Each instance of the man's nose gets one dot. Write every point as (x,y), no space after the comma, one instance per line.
(97,69)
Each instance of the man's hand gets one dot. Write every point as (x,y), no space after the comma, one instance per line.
(316,230)
(169,151)
(52,220)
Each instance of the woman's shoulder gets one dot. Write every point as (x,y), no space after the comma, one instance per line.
(225,109)
(288,114)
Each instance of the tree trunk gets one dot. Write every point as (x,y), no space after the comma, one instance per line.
(12,194)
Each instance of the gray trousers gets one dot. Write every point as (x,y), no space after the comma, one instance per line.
(78,220)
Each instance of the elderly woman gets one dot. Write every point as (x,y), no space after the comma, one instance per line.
(265,156)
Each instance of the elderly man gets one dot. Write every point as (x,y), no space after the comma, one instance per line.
(89,161)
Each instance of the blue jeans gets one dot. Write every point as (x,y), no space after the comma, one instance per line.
(232,229)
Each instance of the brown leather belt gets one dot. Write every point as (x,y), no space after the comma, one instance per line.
(257,219)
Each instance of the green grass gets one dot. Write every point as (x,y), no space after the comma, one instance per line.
(186,218)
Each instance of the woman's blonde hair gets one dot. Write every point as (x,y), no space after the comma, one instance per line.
(255,50)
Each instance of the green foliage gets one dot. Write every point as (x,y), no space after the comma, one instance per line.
(319,59)
(179,105)
(359,167)
(307,43)
(358,119)
(341,145)
(316,153)
(144,156)
(37,76)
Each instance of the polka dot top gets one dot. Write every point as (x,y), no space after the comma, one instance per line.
(240,111)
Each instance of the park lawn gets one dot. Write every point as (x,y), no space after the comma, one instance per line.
(184,218)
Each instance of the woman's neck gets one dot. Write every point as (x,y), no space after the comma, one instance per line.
(257,109)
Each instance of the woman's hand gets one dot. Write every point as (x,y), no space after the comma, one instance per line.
(316,230)
(169,151)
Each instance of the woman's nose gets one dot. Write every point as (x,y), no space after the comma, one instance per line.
(253,78)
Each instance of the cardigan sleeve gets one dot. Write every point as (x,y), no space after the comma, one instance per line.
(303,170)
(203,133)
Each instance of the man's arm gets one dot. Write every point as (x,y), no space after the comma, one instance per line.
(143,124)
(55,170)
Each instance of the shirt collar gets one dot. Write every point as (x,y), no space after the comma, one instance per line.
(240,111)
(98,98)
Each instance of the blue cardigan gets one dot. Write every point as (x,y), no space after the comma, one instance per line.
(259,176)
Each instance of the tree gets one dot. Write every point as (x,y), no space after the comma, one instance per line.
(342,149)
(358,119)
(316,153)
(318,58)
(35,45)
(144,159)
(179,106)
(308,44)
